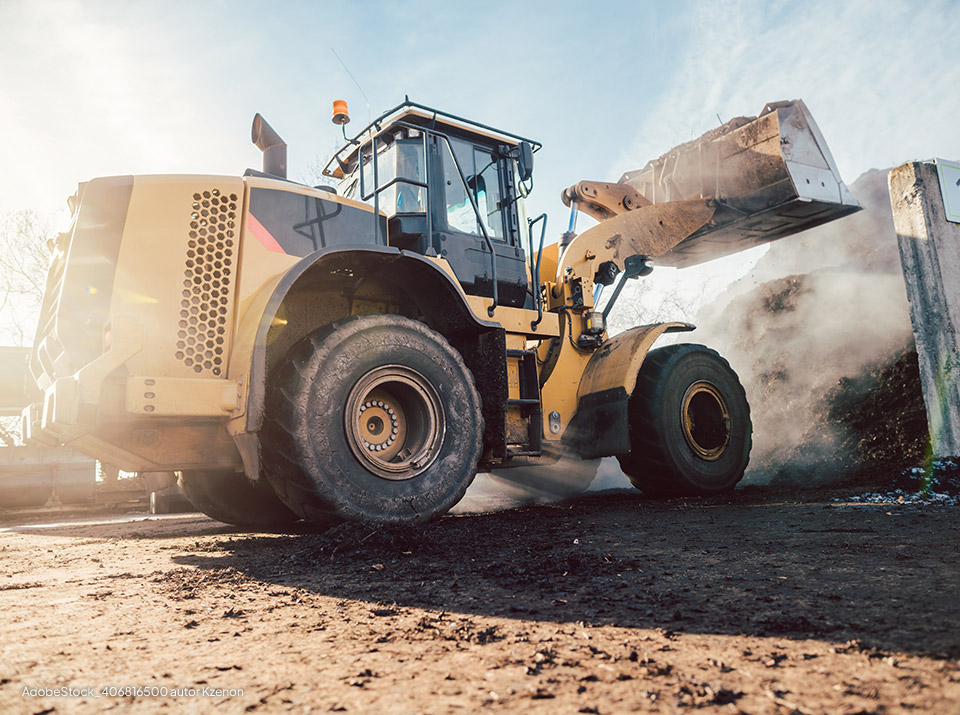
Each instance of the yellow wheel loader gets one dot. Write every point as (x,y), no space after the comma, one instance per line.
(360,352)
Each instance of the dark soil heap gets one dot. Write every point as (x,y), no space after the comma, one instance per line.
(882,416)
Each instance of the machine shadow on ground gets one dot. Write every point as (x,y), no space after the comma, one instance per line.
(752,564)
(761,561)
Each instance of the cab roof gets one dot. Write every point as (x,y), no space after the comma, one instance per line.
(420,115)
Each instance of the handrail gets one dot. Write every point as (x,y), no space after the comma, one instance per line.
(535,268)
(436,112)
(400,180)
(377,189)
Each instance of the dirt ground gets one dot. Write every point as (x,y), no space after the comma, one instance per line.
(763,601)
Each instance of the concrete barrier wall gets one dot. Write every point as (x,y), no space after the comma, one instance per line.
(930,256)
(31,477)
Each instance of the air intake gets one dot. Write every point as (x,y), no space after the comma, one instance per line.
(207,277)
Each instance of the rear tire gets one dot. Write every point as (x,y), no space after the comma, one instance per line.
(690,430)
(228,496)
(375,418)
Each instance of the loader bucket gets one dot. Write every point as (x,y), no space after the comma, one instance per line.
(772,176)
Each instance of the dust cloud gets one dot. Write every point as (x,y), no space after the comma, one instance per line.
(518,486)
(819,332)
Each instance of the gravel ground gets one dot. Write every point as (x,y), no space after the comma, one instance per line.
(763,601)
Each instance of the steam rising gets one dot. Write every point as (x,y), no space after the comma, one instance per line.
(510,488)
(818,310)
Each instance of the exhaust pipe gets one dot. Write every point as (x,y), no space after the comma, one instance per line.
(273,147)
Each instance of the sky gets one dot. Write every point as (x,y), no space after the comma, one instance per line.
(100,87)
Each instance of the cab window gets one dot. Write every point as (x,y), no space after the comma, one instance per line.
(480,169)
(400,158)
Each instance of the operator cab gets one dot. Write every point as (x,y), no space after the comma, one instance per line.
(449,187)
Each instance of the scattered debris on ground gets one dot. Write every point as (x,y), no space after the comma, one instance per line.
(936,484)
(765,600)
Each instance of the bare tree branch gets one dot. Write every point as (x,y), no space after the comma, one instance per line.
(24,255)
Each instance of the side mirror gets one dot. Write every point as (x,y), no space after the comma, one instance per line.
(525,161)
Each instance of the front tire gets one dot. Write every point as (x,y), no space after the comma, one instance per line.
(375,418)
(690,430)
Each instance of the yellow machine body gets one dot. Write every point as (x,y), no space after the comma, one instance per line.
(172,299)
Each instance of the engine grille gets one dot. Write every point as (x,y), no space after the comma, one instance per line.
(207,280)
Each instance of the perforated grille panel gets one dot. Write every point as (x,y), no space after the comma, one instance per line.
(209,265)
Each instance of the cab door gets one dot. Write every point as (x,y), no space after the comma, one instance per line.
(470,170)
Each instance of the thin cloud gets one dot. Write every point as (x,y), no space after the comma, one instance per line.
(878,76)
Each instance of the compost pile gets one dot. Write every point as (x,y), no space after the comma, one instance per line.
(820,334)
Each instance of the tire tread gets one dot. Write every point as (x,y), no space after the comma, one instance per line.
(280,437)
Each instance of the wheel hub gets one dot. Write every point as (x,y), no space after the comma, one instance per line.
(705,420)
(394,422)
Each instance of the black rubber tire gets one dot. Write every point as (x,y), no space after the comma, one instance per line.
(308,454)
(664,458)
(228,496)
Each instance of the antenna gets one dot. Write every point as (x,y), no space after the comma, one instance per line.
(364,94)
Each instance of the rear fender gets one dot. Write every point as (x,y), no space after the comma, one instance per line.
(601,425)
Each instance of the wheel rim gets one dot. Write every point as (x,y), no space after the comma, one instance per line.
(394,422)
(706,421)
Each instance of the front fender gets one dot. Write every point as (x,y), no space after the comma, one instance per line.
(609,379)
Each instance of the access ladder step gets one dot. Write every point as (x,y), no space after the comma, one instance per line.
(523,402)
(513,353)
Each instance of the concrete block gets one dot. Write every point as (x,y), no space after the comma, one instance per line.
(930,256)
